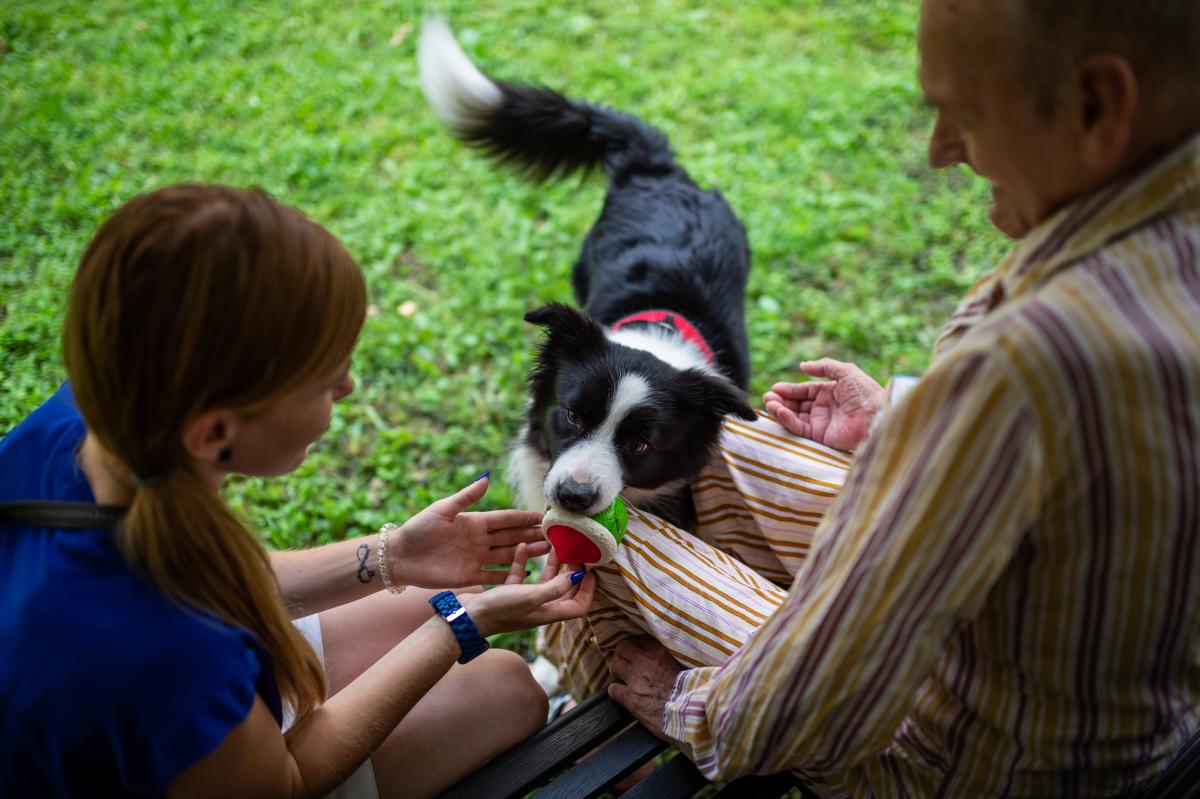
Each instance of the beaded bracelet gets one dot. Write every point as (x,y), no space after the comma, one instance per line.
(384,571)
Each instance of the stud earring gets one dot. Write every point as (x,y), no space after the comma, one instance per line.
(225,455)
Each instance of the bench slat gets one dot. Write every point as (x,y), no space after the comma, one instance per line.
(619,758)
(678,779)
(533,761)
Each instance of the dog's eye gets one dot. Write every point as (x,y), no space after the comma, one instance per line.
(573,418)
(638,447)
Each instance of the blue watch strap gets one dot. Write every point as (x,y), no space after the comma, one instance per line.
(470,641)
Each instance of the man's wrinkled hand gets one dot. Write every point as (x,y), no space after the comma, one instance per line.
(645,673)
(836,412)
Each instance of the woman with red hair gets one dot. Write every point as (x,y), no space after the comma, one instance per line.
(209,332)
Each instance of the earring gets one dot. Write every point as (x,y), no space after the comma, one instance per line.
(225,455)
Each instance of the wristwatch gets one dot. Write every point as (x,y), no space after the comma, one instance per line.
(470,641)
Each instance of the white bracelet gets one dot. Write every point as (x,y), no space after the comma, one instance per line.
(384,572)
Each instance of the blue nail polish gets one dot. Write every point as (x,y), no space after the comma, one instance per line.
(527,572)
(480,477)
(577,577)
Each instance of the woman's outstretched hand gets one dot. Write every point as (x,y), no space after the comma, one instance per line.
(836,412)
(514,606)
(444,546)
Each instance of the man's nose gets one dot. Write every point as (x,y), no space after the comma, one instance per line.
(945,146)
(575,497)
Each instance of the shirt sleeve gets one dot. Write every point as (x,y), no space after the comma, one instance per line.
(933,510)
(211,691)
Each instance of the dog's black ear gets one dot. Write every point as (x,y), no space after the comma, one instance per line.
(568,330)
(570,335)
(716,395)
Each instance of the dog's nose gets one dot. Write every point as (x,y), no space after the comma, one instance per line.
(575,497)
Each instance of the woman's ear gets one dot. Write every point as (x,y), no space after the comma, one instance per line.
(208,433)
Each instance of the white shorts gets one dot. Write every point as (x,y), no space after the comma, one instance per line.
(360,784)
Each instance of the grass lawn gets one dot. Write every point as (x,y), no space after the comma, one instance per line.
(805,113)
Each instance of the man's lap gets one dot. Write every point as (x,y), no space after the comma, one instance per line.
(704,595)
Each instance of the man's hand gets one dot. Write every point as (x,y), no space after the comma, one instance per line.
(645,673)
(445,547)
(836,412)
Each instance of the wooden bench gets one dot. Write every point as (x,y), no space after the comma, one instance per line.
(585,752)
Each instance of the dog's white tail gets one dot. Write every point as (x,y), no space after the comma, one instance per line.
(535,130)
(461,95)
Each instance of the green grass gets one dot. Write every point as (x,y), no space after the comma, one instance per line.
(805,113)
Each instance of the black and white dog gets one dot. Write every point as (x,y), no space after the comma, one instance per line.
(627,395)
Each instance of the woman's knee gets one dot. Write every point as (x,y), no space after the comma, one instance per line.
(504,688)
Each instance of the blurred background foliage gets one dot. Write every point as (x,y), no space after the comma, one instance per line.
(805,113)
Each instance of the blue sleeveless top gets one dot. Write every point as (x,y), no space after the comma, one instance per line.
(107,687)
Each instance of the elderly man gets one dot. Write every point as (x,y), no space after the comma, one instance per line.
(1004,598)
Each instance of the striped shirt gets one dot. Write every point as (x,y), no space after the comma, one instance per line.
(1004,599)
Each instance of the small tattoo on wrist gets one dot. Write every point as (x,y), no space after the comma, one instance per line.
(365,573)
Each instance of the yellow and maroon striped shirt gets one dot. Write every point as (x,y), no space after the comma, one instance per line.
(1005,598)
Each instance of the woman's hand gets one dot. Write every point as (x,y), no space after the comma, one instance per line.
(514,606)
(837,412)
(445,547)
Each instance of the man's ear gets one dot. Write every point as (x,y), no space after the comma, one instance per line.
(208,433)
(709,394)
(1106,106)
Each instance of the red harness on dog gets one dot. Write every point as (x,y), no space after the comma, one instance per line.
(674,321)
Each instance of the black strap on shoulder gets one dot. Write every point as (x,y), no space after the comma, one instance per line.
(62,515)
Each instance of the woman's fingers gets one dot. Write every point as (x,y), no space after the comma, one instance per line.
(504,555)
(512,536)
(516,607)
(576,604)
(550,570)
(565,585)
(503,521)
(537,548)
(565,598)
(458,502)
(517,574)
(553,589)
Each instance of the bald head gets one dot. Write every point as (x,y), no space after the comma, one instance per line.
(1049,100)
(1159,38)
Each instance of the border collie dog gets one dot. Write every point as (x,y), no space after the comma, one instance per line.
(628,393)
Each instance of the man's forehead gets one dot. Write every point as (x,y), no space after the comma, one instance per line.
(959,40)
(968,23)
